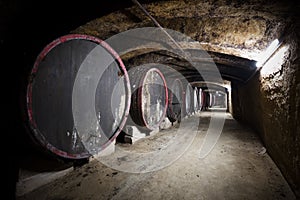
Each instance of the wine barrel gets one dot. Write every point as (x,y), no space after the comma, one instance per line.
(78,88)
(195,99)
(149,100)
(206,100)
(211,99)
(189,99)
(200,101)
(176,95)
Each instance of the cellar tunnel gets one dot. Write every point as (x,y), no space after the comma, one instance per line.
(253,44)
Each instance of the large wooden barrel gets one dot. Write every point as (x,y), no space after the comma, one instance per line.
(200,98)
(204,99)
(189,99)
(195,99)
(176,96)
(77,78)
(211,99)
(149,100)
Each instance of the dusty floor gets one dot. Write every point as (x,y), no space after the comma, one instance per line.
(237,168)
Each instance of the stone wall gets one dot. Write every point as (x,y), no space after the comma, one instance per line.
(270,104)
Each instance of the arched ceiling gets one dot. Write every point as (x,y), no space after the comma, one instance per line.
(234,33)
(209,86)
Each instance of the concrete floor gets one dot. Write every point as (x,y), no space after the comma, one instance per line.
(238,167)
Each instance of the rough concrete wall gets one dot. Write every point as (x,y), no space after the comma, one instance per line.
(281,128)
(270,103)
(246,104)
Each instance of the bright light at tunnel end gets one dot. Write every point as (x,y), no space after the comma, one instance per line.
(264,56)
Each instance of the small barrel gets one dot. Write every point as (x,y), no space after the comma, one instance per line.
(78,94)
(149,100)
(176,95)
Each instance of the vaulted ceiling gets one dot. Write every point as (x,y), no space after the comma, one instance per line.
(232,33)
